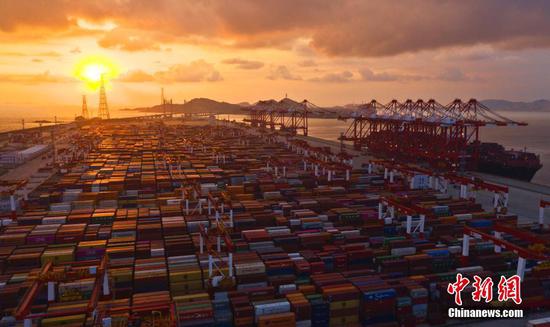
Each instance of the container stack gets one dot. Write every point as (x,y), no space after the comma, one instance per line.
(305,251)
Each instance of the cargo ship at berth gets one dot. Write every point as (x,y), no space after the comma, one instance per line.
(495,159)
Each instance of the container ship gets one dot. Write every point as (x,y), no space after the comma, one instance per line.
(172,222)
(495,159)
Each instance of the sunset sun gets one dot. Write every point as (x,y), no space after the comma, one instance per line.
(91,69)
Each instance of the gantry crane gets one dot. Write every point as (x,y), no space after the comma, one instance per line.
(51,275)
(441,181)
(218,231)
(323,158)
(10,188)
(286,115)
(445,137)
(500,243)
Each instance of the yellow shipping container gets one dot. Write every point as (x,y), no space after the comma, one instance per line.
(183,288)
(344,304)
(192,297)
(63,321)
(180,276)
(57,256)
(345,320)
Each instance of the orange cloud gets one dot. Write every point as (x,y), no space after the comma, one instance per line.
(244,64)
(341,77)
(456,75)
(369,75)
(25,54)
(337,28)
(307,63)
(136,76)
(282,72)
(195,71)
(45,77)
(128,40)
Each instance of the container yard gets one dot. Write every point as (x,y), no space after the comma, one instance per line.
(152,222)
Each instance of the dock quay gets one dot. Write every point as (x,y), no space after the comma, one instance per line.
(202,222)
(524,196)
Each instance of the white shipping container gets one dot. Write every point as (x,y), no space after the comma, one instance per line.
(472,269)
(241,287)
(403,251)
(270,308)
(463,216)
(303,323)
(54,220)
(60,207)
(354,232)
(287,287)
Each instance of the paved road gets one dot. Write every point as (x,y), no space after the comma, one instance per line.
(30,170)
(27,169)
(524,197)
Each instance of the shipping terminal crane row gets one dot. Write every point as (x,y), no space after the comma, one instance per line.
(445,137)
(193,193)
(322,157)
(538,245)
(287,115)
(321,153)
(314,158)
(440,181)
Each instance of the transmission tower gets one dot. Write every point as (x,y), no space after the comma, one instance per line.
(103,112)
(84,108)
(163,101)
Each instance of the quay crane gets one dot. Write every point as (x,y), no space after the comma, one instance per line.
(287,115)
(445,137)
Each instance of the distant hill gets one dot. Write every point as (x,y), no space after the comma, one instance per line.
(504,105)
(199,105)
(195,106)
(207,105)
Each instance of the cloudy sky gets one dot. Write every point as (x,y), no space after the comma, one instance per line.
(327,51)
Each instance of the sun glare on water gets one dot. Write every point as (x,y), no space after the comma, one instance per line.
(91,69)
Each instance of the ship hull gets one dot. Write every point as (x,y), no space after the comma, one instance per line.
(523,173)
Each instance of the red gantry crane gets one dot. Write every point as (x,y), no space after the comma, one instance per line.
(445,137)
(219,231)
(497,238)
(285,115)
(440,181)
(50,276)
